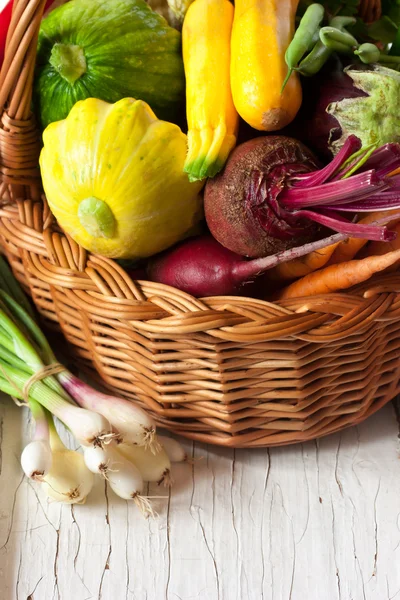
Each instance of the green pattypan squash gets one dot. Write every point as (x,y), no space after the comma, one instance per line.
(113,176)
(109,50)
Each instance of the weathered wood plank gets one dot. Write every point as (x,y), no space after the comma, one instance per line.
(318,520)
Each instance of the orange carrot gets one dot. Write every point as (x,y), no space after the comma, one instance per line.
(339,277)
(347,249)
(379,248)
(299,267)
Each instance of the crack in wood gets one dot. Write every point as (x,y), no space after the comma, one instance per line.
(233,509)
(355,456)
(18,576)
(210,553)
(293,540)
(213,504)
(168,546)
(374,571)
(30,597)
(356,559)
(294,562)
(337,465)
(398,528)
(56,588)
(395,595)
(126,550)
(31,485)
(79,536)
(12,514)
(107,563)
(334,552)
(74,522)
(308,494)
(316,442)
(250,504)
(270,539)
(262,522)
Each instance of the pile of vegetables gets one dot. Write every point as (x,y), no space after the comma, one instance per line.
(118,438)
(287,157)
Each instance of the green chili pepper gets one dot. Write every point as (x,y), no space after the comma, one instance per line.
(337,40)
(320,54)
(304,38)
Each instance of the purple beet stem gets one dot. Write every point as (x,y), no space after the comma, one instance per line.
(247,270)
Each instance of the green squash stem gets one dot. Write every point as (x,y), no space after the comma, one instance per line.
(96,217)
(69,61)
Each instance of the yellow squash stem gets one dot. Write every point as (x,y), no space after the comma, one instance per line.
(262,31)
(211,115)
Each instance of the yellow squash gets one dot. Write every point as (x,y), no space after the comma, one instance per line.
(262,31)
(113,177)
(211,115)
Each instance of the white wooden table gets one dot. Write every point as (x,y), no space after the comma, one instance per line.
(318,521)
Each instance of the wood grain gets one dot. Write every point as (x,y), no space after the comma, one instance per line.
(314,521)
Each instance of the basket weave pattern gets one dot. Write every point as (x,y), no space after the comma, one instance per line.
(227,370)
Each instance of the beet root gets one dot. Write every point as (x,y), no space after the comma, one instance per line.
(239,202)
(203,267)
(269,199)
(199,266)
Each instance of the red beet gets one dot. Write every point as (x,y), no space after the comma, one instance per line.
(240,219)
(202,267)
(269,198)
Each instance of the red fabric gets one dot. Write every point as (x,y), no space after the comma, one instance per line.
(5,18)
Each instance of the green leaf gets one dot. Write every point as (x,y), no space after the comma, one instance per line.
(391,9)
(383,30)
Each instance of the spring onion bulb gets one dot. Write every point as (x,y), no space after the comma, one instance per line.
(155,468)
(123,476)
(174,450)
(36,459)
(98,459)
(132,422)
(69,480)
(89,428)
(126,480)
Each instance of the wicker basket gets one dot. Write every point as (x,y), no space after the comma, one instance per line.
(231,371)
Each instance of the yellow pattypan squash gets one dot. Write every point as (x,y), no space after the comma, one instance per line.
(113,177)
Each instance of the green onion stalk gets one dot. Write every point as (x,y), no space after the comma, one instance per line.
(25,352)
